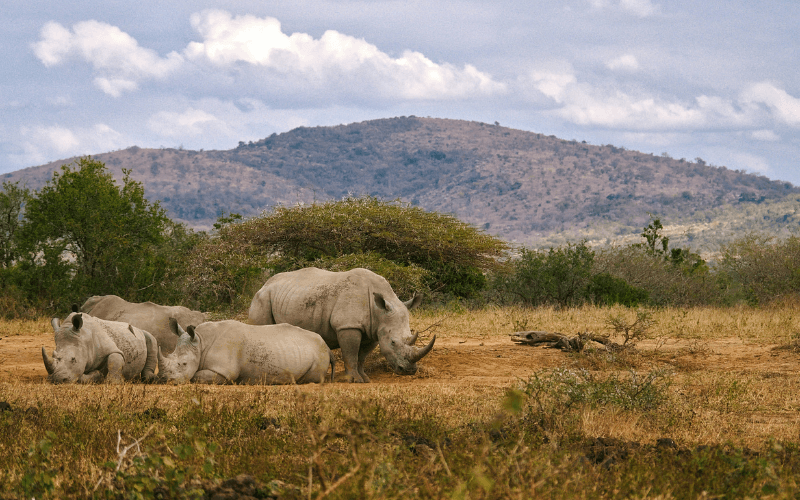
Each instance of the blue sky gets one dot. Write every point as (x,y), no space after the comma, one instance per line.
(715,80)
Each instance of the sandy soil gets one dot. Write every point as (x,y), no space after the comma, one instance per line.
(493,361)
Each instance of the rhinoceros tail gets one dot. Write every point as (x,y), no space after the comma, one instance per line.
(333,364)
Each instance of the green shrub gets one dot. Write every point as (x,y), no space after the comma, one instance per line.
(555,276)
(760,269)
(454,254)
(605,289)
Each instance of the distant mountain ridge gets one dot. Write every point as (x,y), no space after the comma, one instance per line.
(522,186)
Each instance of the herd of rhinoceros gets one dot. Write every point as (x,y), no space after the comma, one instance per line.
(297,318)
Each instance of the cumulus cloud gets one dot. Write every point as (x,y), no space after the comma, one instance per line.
(254,53)
(44,143)
(332,59)
(191,122)
(765,135)
(117,58)
(608,106)
(626,62)
(640,8)
(783,106)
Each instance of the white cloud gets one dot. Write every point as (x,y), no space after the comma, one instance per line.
(335,59)
(765,135)
(608,106)
(640,8)
(749,162)
(116,57)
(785,107)
(626,62)
(191,122)
(44,143)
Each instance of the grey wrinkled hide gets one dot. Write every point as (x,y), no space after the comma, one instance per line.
(89,349)
(225,352)
(353,310)
(150,317)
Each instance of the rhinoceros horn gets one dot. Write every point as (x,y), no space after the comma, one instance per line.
(48,363)
(413,339)
(160,357)
(418,354)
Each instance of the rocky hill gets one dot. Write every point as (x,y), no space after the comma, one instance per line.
(526,187)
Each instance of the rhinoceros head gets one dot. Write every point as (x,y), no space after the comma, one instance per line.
(394,334)
(71,355)
(180,366)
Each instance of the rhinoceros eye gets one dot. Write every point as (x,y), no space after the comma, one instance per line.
(73,360)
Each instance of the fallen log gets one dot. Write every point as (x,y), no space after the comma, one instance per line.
(556,340)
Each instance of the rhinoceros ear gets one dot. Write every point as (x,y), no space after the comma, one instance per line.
(190,331)
(55,323)
(77,322)
(381,302)
(174,327)
(415,301)
(74,308)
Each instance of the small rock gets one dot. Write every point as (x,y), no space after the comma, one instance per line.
(4,406)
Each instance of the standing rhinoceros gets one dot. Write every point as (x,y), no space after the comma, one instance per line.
(146,315)
(93,350)
(224,352)
(355,310)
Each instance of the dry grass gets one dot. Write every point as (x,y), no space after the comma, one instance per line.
(722,384)
(10,328)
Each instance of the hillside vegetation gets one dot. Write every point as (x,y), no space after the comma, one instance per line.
(522,186)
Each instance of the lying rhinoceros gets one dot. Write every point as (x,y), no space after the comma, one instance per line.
(355,310)
(94,350)
(224,352)
(150,317)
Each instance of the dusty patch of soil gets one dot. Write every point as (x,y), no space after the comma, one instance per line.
(491,361)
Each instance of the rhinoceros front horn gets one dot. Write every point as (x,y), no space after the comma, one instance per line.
(48,363)
(421,353)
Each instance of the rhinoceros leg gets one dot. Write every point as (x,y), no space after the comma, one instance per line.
(115,362)
(350,342)
(93,377)
(209,377)
(363,352)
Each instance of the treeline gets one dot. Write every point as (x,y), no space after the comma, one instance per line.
(82,234)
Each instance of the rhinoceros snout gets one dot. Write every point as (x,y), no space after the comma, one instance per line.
(405,370)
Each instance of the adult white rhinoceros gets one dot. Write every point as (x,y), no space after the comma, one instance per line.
(355,310)
(94,350)
(224,352)
(146,315)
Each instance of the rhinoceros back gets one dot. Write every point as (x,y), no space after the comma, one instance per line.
(317,300)
(153,318)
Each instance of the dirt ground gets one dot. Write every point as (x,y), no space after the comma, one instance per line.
(494,361)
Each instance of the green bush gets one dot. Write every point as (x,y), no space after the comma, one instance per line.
(760,269)
(555,276)
(605,289)
(454,254)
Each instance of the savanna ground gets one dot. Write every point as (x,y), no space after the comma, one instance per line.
(706,406)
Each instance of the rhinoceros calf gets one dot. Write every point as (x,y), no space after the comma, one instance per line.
(224,352)
(150,317)
(94,350)
(355,310)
